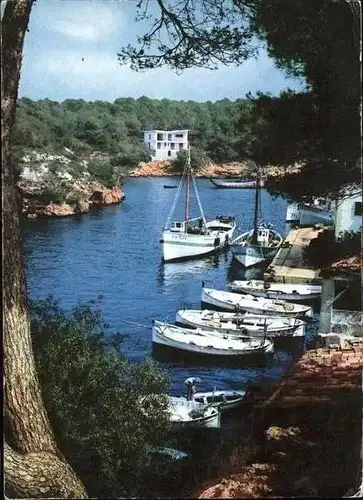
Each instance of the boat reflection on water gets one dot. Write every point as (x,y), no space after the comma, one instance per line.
(237,272)
(173,272)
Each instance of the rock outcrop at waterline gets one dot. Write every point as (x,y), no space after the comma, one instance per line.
(166,168)
(84,197)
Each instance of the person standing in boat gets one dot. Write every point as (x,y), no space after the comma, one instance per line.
(191,387)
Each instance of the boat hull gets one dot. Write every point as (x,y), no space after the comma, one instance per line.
(180,409)
(305,215)
(252,256)
(183,246)
(206,345)
(229,184)
(278,291)
(223,400)
(236,302)
(253,326)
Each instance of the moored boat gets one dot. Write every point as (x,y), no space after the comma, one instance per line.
(240,323)
(231,301)
(320,211)
(207,343)
(259,244)
(194,237)
(223,400)
(236,184)
(192,414)
(285,291)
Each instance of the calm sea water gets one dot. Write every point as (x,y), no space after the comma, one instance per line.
(115,252)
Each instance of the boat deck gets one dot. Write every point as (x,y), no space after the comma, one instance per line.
(288,265)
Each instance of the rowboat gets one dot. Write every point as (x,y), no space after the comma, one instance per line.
(191,414)
(239,323)
(236,302)
(285,291)
(236,184)
(223,400)
(166,186)
(320,211)
(203,342)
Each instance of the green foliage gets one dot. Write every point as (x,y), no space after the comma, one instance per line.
(102,172)
(197,159)
(54,192)
(115,128)
(92,394)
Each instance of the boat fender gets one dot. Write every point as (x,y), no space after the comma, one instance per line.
(217,241)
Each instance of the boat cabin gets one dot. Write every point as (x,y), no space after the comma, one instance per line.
(178,227)
(263,236)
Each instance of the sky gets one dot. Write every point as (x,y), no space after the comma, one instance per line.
(71,48)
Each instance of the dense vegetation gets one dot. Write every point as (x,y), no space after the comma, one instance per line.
(221,130)
(91,394)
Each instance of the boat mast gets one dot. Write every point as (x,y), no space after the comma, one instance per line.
(187,197)
(257,200)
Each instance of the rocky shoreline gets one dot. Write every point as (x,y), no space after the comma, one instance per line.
(90,195)
(166,168)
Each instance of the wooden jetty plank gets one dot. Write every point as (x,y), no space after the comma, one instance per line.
(288,264)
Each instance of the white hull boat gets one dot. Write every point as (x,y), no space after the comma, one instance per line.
(285,291)
(194,237)
(236,184)
(192,414)
(259,244)
(258,305)
(204,342)
(241,323)
(180,242)
(306,214)
(223,400)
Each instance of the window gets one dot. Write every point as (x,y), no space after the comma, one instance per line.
(158,145)
(358,208)
(172,145)
(179,136)
(169,153)
(181,145)
(149,137)
(160,137)
(169,137)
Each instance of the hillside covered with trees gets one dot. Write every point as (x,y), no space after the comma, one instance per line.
(222,129)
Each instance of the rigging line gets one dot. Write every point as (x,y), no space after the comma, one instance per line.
(181,183)
(198,200)
(133,323)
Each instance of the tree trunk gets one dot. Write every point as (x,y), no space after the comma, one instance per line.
(36,468)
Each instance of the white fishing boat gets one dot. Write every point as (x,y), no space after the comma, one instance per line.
(194,237)
(236,184)
(285,291)
(192,414)
(259,244)
(231,301)
(241,323)
(223,400)
(203,342)
(320,211)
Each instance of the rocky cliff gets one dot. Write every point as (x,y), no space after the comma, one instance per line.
(166,168)
(57,186)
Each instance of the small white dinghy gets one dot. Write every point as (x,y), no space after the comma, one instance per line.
(223,400)
(205,342)
(236,302)
(285,291)
(192,414)
(239,323)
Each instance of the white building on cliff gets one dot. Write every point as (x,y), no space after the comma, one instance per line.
(164,144)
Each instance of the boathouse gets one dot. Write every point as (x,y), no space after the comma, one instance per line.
(165,144)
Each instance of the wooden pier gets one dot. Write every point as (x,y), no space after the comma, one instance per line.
(288,264)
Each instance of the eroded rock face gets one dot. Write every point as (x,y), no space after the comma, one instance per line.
(90,195)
